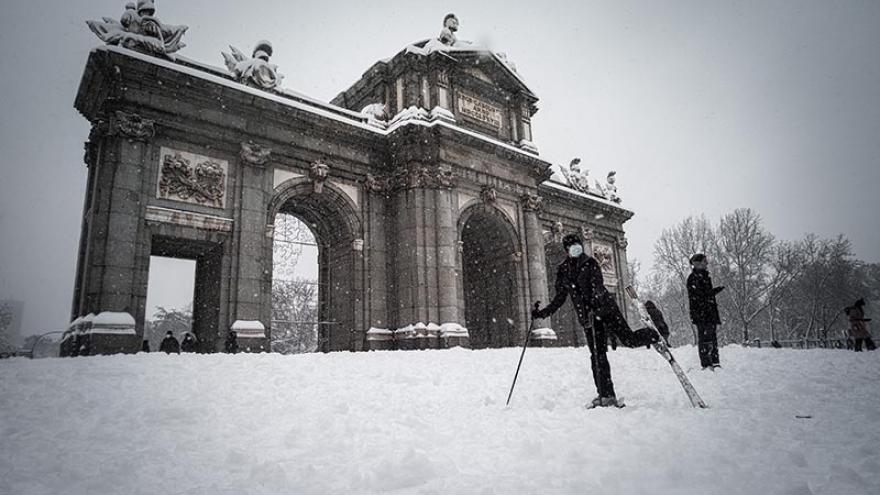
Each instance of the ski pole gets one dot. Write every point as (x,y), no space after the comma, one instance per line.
(525,344)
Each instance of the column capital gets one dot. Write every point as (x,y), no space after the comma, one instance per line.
(132,126)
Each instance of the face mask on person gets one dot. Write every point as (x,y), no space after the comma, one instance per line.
(575,250)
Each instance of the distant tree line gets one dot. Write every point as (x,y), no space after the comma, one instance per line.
(775,289)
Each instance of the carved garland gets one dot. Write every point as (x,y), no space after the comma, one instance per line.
(417,177)
(203,183)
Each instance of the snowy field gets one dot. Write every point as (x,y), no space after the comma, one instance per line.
(435,422)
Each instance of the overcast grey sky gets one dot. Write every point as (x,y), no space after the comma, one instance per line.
(700,106)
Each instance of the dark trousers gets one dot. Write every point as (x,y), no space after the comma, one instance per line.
(597,342)
(869,344)
(707,341)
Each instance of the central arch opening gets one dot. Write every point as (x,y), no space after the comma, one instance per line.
(489,265)
(314,298)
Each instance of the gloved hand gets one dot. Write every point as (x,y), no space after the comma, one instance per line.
(538,314)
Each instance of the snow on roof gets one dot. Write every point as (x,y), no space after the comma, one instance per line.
(326,110)
(426,47)
(599,199)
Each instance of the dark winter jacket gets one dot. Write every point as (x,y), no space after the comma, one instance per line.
(188,344)
(231,344)
(657,318)
(858,323)
(581,278)
(701,295)
(169,344)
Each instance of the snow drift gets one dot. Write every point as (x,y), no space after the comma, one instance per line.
(780,422)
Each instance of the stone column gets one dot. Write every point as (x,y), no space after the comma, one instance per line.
(447,246)
(249,238)
(114,273)
(535,262)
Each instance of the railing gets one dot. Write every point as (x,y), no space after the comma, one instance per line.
(830,343)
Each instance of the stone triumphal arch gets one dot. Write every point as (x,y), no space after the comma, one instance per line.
(437,220)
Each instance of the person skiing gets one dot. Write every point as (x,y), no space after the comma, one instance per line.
(169,344)
(859,326)
(704,310)
(231,344)
(580,277)
(657,318)
(189,343)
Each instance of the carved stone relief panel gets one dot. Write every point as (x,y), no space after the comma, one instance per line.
(604,254)
(192,178)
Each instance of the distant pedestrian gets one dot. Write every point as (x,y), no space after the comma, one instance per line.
(231,344)
(657,318)
(145,346)
(188,344)
(704,310)
(169,344)
(859,326)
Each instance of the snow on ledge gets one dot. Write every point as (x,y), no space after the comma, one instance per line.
(543,334)
(113,322)
(249,329)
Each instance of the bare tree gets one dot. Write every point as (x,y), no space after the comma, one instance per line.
(744,250)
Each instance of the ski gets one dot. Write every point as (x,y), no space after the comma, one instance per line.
(661,347)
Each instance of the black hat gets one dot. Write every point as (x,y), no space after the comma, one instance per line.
(571,239)
(698,258)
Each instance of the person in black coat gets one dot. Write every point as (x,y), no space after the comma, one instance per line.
(704,310)
(188,344)
(169,344)
(580,277)
(657,318)
(231,344)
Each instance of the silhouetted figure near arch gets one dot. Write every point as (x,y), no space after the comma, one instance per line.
(859,326)
(231,344)
(188,344)
(169,344)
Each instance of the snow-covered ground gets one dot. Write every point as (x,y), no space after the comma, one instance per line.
(435,422)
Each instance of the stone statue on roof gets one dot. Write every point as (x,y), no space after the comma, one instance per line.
(450,26)
(255,71)
(578,178)
(139,29)
(611,188)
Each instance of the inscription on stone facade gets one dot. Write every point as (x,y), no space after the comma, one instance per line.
(192,178)
(478,110)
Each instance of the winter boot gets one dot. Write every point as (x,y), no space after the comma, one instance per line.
(611,401)
(595,403)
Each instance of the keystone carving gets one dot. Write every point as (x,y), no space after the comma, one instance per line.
(488,195)
(318,175)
